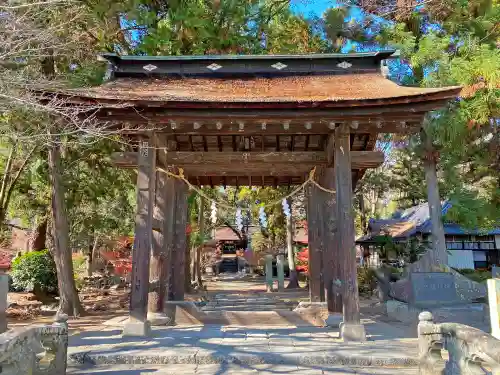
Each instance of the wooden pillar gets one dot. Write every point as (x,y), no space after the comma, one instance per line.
(169,240)
(294,277)
(314,211)
(439,254)
(180,241)
(157,269)
(137,324)
(351,328)
(331,259)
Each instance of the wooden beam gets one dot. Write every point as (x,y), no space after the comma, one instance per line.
(202,158)
(143,236)
(360,159)
(352,328)
(240,170)
(386,125)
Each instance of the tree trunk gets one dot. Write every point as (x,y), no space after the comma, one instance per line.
(39,236)
(294,279)
(439,256)
(69,302)
(90,256)
(362,211)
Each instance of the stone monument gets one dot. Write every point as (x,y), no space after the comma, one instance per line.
(443,291)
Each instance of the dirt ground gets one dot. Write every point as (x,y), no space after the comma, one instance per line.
(99,306)
(102,305)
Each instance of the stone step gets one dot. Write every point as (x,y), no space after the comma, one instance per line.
(244,300)
(247,308)
(246,303)
(234,369)
(345,355)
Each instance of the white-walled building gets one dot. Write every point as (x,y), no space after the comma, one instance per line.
(472,249)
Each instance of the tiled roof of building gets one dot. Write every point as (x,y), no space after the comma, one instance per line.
(415,220)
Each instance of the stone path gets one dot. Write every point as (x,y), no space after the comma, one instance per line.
(274,341)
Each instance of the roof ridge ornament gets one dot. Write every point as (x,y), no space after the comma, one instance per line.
(149,67)
(213,67)
(279,65)
(344,65)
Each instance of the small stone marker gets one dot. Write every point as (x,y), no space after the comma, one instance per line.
(269,272)
(433,289)
(494,304)
(280,265)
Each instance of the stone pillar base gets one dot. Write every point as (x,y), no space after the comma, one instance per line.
(352,332)
(158,319)
(170,312)
(334,320)
(136,328)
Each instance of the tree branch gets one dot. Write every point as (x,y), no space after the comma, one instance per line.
(6,174)
(16,177)
(226,223)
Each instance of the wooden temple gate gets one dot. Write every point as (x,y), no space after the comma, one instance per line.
(251,120)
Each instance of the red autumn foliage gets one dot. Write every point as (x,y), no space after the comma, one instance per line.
(303,260)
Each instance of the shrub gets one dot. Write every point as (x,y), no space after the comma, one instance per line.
(79,270)
(35,271)
(366,280)
(475,275)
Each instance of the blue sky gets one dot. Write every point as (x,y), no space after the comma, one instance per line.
(311,7)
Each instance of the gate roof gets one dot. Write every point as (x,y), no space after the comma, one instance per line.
(256,120)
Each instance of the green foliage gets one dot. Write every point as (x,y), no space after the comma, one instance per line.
(461,48)
(475,275)
(367,281)
(80,270)
(33,271)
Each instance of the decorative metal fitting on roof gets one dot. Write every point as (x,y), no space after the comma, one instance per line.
(344,65)
(213,67)
(279,66)
(149,67)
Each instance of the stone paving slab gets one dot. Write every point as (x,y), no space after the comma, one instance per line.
(216,369)
(216,344)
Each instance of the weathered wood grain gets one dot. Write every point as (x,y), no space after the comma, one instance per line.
(143,232)
(345,220)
